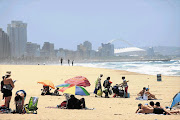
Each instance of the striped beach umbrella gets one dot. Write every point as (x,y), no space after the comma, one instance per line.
(64,86)
(79,81)
(76,90)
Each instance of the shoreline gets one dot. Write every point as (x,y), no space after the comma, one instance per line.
(66,65)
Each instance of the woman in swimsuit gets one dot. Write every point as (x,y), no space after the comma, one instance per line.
(8,86)
(19,100)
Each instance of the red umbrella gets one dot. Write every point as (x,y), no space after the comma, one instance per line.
(79,81)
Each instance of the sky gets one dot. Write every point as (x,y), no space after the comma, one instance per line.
(67,23)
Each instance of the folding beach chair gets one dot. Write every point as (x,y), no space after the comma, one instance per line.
(32,106)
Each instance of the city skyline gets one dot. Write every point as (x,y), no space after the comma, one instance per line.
(141,23)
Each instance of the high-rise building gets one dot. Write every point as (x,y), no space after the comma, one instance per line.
(48,50)
(5,50)
(17,32)
(87,45)
(32,49)
(106,50)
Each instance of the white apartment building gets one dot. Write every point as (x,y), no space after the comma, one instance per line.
(17,32)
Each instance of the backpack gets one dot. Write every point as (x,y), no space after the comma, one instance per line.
(2,84)
(106,83)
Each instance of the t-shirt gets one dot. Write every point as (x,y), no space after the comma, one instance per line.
(125,83)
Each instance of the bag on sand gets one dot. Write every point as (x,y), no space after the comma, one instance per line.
(99,92)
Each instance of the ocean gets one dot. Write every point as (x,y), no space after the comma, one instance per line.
(170,68)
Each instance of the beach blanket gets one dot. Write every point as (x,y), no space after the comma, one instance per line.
(140,98)
(71,109)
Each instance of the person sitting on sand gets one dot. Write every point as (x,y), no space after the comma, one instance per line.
(74,103)
(150,96)
(141,93)
(56,92)
(145,109)
(19,100)
(46,90)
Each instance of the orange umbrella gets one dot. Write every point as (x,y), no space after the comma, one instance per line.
(47,83)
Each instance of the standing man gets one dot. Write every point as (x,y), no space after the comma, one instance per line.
(61,61)
(107,85)
(69,62)
(72,62)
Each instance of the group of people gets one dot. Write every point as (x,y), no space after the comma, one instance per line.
(46,91)
(61,60)
(146,95)
(107,85)
(155,109)
(7,85)
(72,102)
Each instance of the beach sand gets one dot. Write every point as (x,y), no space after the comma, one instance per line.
(105,108)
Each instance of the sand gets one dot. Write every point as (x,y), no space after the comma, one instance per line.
(105,108)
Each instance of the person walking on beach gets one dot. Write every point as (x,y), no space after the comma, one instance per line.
(8,86)
(107,85)
(98,88)
(72,62)
(61,61)
(68,62)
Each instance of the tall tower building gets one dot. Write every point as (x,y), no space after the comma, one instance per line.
(5,50)
(17,32)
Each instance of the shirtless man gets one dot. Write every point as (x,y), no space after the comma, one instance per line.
(142,92)
(8,86)
(146,109)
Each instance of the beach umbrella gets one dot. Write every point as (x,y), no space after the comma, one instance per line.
(47,83)
(76,90)
(64,86)
(79,81)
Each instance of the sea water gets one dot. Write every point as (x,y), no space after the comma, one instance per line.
(170,68)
